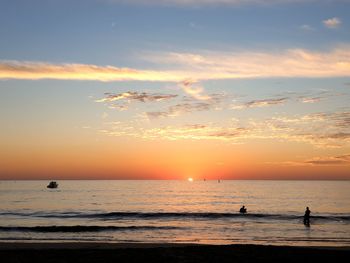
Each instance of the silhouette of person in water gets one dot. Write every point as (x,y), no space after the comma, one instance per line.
(243,210)
(307,217)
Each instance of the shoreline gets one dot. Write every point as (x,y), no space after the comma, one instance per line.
(15,245)
(166,252)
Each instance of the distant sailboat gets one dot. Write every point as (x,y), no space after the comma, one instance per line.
(52,185)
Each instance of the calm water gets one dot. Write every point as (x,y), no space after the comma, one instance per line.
(177,211)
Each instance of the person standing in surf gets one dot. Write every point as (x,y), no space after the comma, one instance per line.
(307,216)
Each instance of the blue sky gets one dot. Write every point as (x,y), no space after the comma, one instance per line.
(103,32)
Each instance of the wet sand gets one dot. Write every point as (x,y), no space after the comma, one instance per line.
(134,252)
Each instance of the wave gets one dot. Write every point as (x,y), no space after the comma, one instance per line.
(177,215)
(199,215)
(80,228)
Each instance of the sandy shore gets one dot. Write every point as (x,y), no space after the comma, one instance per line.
(141,252)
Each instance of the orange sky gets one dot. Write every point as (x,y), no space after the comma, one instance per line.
(113,159)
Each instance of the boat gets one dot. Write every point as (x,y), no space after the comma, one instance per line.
(52,185)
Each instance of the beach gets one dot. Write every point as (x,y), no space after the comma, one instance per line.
(148,252)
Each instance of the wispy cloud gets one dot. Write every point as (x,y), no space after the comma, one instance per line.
(138,96)
(40,70)
(341,119)
(284,97)
(261,103)
(118,107)
(122,101)
(251,64)
(183,104)
(180,109)
(307,28)
(189,105)
(310,99)
(229,133)
(313,96)
(340,160)
(332,22)
(326,161)
(195,66)
(181,132)
(193,89)
(322,130)
(319,129)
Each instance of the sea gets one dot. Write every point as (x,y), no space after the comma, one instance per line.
(165,211)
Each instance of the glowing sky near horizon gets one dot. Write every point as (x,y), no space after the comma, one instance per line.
(175,89)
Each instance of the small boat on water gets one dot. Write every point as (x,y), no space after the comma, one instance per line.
(52,185)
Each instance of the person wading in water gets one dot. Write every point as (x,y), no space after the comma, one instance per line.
(307,217)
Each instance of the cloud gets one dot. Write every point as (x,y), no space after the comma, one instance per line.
(40,70)
(195,126)
(121,101)
(310,100)
(283,97)
(114,97)
(192,90)
(341,119)
(142,97)
(340,160)
(316,96)
(307,28)
(319,129)
(159,114)
(261,103)
(181,108)
(337,160)
(182,132)
(229,133)
(207,65)
(118,107)
(188,105)
(332,22)
(338,135)
(322,130)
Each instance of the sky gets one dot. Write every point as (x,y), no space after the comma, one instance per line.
(172,89)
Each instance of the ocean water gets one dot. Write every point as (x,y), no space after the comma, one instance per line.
(176,212)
